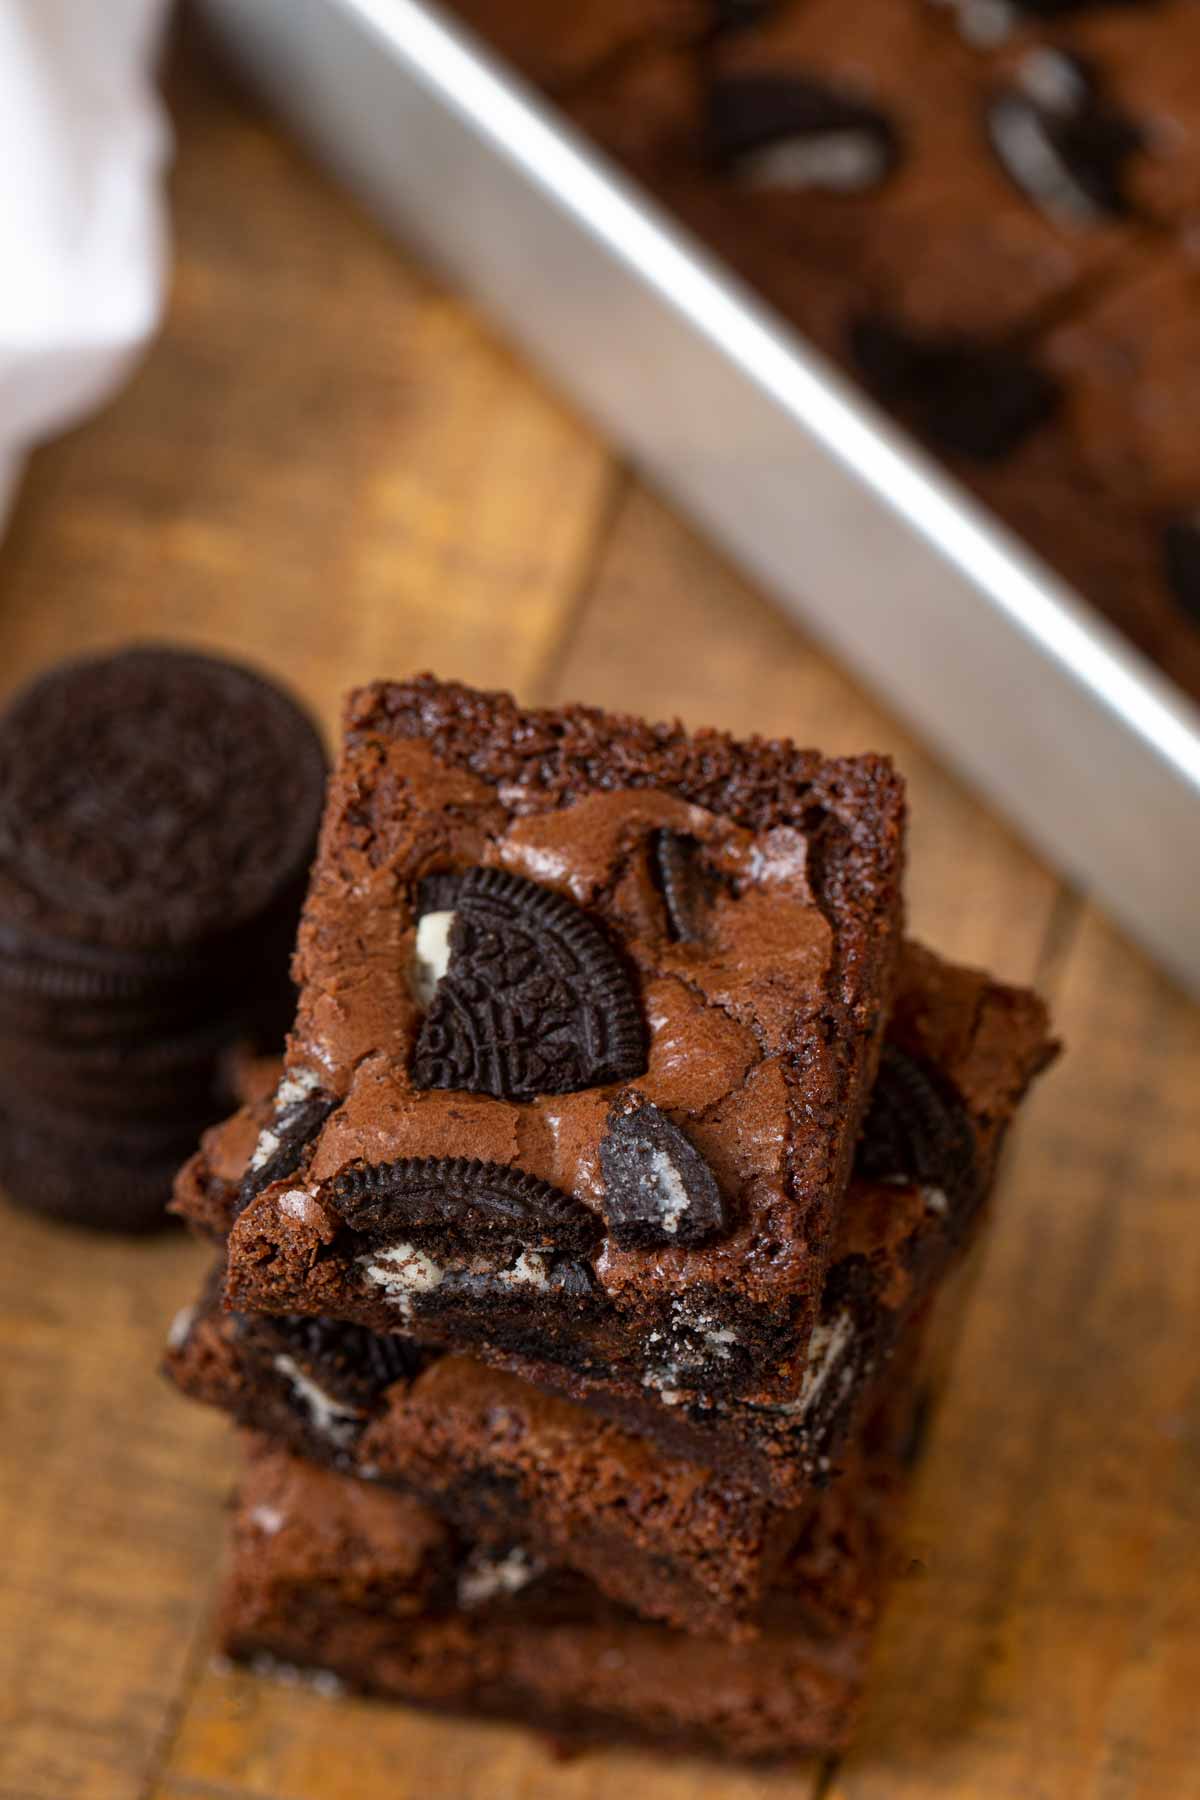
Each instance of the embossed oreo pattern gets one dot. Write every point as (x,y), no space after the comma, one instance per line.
(464,1201)
(535,1000)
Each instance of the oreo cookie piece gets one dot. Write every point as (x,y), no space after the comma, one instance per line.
(917,1130)
(658,1189)
(534,998)
(348,1362)
(464,1204)
(796,132)
(151,803)
(301,1108)
(1061,142)
(686,886)
(979,401)
(1181,559)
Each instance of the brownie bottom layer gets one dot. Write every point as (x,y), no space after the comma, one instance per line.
(334,1576)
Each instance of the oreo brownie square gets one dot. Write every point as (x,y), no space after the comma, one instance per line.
(329,1575)
(1109,491)
(816,151)
(961,1052)
(590,1010)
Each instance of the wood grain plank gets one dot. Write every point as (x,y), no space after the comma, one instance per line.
(326,467)
(1050,1644)
(111,1505)
(670,629)
(252,1737)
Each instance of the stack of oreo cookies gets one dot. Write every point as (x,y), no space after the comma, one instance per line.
(578,1273)
(158,815)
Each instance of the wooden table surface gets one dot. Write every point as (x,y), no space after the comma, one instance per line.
(330,466)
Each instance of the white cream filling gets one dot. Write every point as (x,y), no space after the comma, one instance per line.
(936,1200)
(329,1416)
(267,1519)
(826,1347)
(845,162)
(181,1326)
(484,1579)
(402,1271)
(431,957)
(670,1191)
(297,1085)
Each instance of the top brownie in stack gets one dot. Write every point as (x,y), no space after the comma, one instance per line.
(590,1010)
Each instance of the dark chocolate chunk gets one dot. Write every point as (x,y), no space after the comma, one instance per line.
(535,1000)
(465,1202)
(785,131)
(1181,554)
(917,1130)
(1061,142)
(294,1126)
(979,401)
(352,1363)
(658,1189)
(685,884)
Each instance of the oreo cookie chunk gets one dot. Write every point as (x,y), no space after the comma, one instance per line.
(798,132)
(1062,141)
(658,1189)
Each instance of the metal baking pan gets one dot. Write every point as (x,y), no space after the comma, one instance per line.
(1007,674)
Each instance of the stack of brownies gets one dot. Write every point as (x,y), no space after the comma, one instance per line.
(574,1272)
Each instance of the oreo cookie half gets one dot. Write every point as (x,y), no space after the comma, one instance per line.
(534,998)
(464,1204)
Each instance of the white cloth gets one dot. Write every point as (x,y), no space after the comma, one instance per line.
(83,145)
